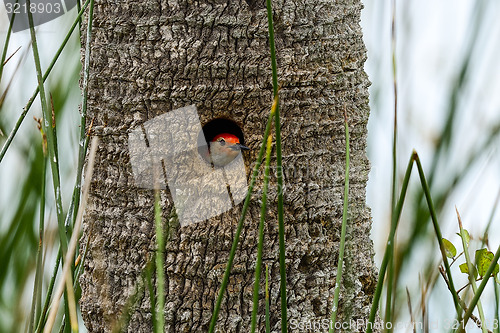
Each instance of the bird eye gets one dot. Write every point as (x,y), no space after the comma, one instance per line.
(222,141)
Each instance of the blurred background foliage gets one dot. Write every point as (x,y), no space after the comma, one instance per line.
(21,170)
(448,78)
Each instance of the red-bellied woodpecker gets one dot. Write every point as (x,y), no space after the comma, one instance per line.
(224,148)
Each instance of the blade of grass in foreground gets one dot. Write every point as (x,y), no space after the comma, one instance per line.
(437,230)
(37,286)
(277,128)
(390,241)
(50,289)
(146,280)
(389,246)
(496,328)
(74,239)
(258,265)
(232,253)
(82,151)
(390,274)
(51,140)
(470,266)
(338,279)
(160,273)
(71,214)
(268,321)
(48,124)
(83,116)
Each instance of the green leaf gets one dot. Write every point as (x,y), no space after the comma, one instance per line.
(449,248)
(483,261)
(464,268)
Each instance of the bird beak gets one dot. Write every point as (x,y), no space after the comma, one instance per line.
(239,146)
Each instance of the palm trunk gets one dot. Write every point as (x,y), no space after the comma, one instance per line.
(151,57)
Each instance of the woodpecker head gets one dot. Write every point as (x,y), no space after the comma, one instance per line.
(224,148)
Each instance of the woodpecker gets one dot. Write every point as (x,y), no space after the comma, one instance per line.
(224,148)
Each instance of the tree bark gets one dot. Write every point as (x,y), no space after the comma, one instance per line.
(151,57)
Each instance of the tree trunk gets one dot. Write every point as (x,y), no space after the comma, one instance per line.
(151,57)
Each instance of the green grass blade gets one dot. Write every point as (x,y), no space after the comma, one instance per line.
(338,279)
(13,132)
(268,315)
(277,126)
(51,143)
(390,273)
(37,287)
(389,248)
(160,267)
(71,304)
(263,209)
(48,124)
(246,203)
(437,230)
(43,316)
(68,263)
(82,151)
(78,9)
(470,265)
(496,328)
(80,267)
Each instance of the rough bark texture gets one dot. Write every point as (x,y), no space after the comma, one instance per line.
(150,57)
